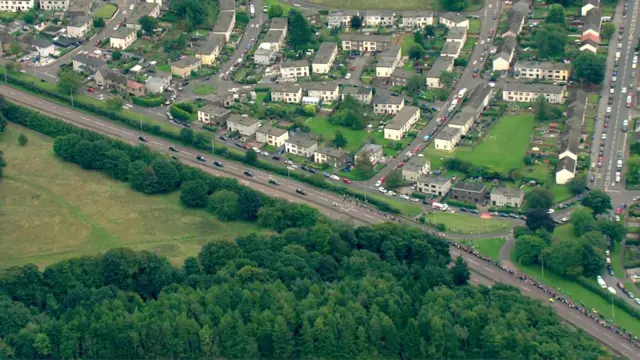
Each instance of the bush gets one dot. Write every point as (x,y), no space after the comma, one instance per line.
(148,101)
(419,195)
(179,114)
(460,204)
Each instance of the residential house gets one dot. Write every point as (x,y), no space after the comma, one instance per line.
(54,5)
(451,49)
(209,51)
(504,54)
(588,5)
(436,185)
(327,92)
(159,2)
(271,135)
(183,67)
(293,69)
(226,6)
(387,61)
(457,34)
(291,94)
(451,19)
(463,121)
(79,26)
(515,22)
(224,25)
(504,196)
(589,44)
(442,64)
(78,8)
(123,38)
(157,83)
(478,100)
(416,19)
(401,123)
(264,55)
(221,99)
(273,40)
(245,125)
(335,157)
(362,93)
(341,18)
(400,77)
(279,23)
(87,64)
(471,193)
(558,71)
(415,167)
(324,58)
(362,42)
(16,5)
(44,47)
(135,88)
(570,141)
(111,79)
(378,18)
(592,23)
(519,92)
(386,104)
(142,9)
(566,170)
(213,114)
(373,152)
(447,138)
(301,145)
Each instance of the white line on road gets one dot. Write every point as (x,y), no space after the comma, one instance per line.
(486,268)
(625,346)
(323,198)
(369,216)
(524,288)
(455,253)
(187,153)
(128,133)
(471,261)
(155,142)
(85,118)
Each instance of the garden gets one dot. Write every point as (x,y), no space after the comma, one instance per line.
(105,11)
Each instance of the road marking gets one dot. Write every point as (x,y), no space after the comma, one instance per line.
(455,253)
(525,288)
(112,128)
(369,216)
(625,346)
(471,261)
(489,269)
(187,153)
(323,198)
(126,132)
(609,336)
(155,142)
(85,118)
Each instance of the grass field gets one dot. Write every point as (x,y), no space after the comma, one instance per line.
(563,232)
(406,43)
(164,67)
(474,26)
(285,7)
(203,89)
(490,247)
(616,261)
(320,126)
(53,210)
(466,224)
(105,11)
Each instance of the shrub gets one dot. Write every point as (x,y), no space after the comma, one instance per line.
(179,114)
(148,101)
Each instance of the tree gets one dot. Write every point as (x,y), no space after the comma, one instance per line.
(555,15)
(148,24)
(356,22)
(98,22)
(167,175)
(429,31)
(191,12)
(250,157)
(460,273)
(577,185)
(615,230)
(275,10)
(415,84)
(84,154)
(194,194)
(3,164)
(607,30)
(416,52)
(418,38)
(364,165)
(224,203)
(453,5)
(339,141)
(446,78)
(550,40)
(598,201)
(186,135)
(539,219)
(582,222)
(539,198)
(215,255)
(589,68)
(300,34)
(633,169)
(29,18)
(114,103)
(69,82)
(116,55)
(116,164)
(528,248)
(394,179)
(15,49)
(22,139)
(542,108)
(64,146)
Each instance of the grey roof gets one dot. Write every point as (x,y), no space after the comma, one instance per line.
(222,24)
(185,61)
(79,21)
(321,86)
(448,134)
(361,90)
(227,5)
(575,117)
(595,3)
(89,60)
(369,147)
(455,17)
(506,48)
(515,19)
(302,140)
(242,120)
(542,65)
(402,73)
(461,118)
(521,6)
(388,99)
(123,32)
(208,46)
(534,88)
(469,187)
(451,48)
(157,80)
(390,53)
(345,12)
(113,76)
(333,152)
(402,117)
(142,9)
(592,20)
(326,50)
(41,43)
(414,164)
(457,33)
(442,64)
(431,179)
(507,192)
(294,63)
(214,110)
(289,88)
(272,36)
(362,37)
(415,14)
(566,163)
(271,130)
(279,23)
(478,96)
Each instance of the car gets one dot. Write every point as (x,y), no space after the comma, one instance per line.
(378,183)
(301,192)
(619,45)
(116,27)
(604,136)
(91,90)
(173,148)
(248,173)
(276,157)
(352,68)
(218,164)
(245,52)
(606,125)
(415,199)
(400,164)
(142,138)
(346,181)
(382,190)
(463,209)
(612,91)
(610,270)
(348,76)
(132,7)
(174,157)
(223,138)
(494,17)
(618,211)
(624,90)
(550,211)
(201,158)
(273,181)
(475,75)
(608,109)
(637,300)
(334,177)
(248,46)
(592,178)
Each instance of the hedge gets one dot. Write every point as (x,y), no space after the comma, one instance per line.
(589,284)
(419,195)
(148,101)
(179,113)
(460,204)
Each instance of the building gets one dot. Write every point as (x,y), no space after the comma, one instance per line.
(589,45)
(87,64)
(273,40)
(400,77)
(335,157)
(515,22)
(504,196)
(436,185)
(78,9)
(457,34)
(442,64)
(293,69)
(386,104)
(592,22)
(478,100)
(324,58)
(362,42)
(213,114)
(54,5)
(327,92)
(401,123)
(143,9)
(226,6)
(183,67)
(123,38)
(157,83)
(159,2)
(44,47)
(291,94)
(271,135)
(362,93)
(565,170)
(222,99)
(373,152)
(451,49)
(518,92)
(301,145)
(588,5)
(542,70)
(209,51)
(279,23)
(341,18)
(387,61)
(16,5)
(245,125)
(416,19)
(224,25)
(570,141)
(264,55)
(447,139)
(377,18)
(504,55)
(79,26)
(415,167)
(463,121)
(111,79)
(471,193)
(135,88)
(451,19)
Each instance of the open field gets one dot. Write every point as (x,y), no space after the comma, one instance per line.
(490,247)
(53,210)
(203,89)
(320,126)
(105,11)
(466,224)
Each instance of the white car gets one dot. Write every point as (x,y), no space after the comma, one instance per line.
(613,79)
(348,76)
(634,65)
(415,199)
(482,42)
(334,177)
(132,7)
(617,180)
(382,190)
(403,196)
(612,90)
(624,90)
(116,27)
(608,109)
(550,211)
(378,183)
(604,136)
(619,45)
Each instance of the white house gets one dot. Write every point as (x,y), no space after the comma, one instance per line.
(301,145)
(245,125)
(293,69)
(451,19)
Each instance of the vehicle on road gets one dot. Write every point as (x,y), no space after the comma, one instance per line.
(301,192)
(248,173)
(132,7)
(218,164)
(201,158)
(440,206)
(142,138)
(273,181)
(346,181)
(378,183)
(173,148)
(91,90)
(628,101)
(348,76)
(601,282)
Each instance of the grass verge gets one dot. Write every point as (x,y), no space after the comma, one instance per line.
(466,224)
(105,11)
(203,89)
(490,247)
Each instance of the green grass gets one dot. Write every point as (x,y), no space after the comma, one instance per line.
(406,43)
(53,210)
(285,7)
(320,126)
(466,224)
(164,68)
(490,247)
(105,11)
(563,233)
(474,26)
(616,262)
(203,89)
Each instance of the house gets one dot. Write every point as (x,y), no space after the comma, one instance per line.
(462,121)
(273,136)
(293,69)
(504,196)
(183,67)
(79,26)
(387,61)
(362,42)
(341,18)
(416,19)
(135,88)
(372,152)
(335,157)
(209,51)
(221,99)
(442,64)
(16,5)
(451,49)
(401,123)
(273,40)
(478,100)
(515,22)
(457,34)
(87,64)
(436,185)
(471,193)
(123,38)
(377,18)
(291,94)
(589,5)
(264,54)
(327,92)
(226,6)
(209,114)
(279,23)
(504,55)
(570,140)
(324,58)
(542,70)
(44,47)
(519,92)
(301,145)
(245,125)
(54,5)
(415,167)
(141,10)
(224,25)
(447,138)
(451,19)
(589,45)
(592,22)
(111,79)
(156,84)
(400,77)
(78,8)
(387,104)
(565,170)
(362,93)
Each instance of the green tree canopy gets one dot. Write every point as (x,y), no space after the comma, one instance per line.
(148,24)
(69,82)
(555,15)
(539,198)
(588,68)
(550,40)
(224,204)
(300,34)
(598,201)
(275,10)
(356,22)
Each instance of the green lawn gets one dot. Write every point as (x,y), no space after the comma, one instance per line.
(406,43)
(466,224)
(474,26)
(320,126)
(105,11)
(616,262)
(490,247)
(54,210)
(164,67)
(203,89)
(563,232)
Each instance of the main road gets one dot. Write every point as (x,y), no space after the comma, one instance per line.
(483,272)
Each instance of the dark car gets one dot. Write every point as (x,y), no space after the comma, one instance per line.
(174,157)
(502,215)
(274,182)
(463,209)
(238,144)
(201,158)
(276,157)
(173,148)
(142,138)
(248,173)
(218,164)
(223,138)
(475,211)
(301,192)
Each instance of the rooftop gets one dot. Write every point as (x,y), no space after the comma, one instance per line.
(213,42)
(185,61)
(79,21)
(134,85)
(388,99)
(402,117)
(242,120)
(271,130)
(505,50)
(469,187)
(286,87)
(294,63)
(279,23)
(142,9)
(223,23)
(369,147)
(454,17)
(321,86)
(89,60)
(507,192)
(442,64)
(457,33)
(515,20)
(361,90)
(333,152)
(478,96)
(542,65)
(272,36)
(123,32)
(448,134)
(362,37)
(432,179)
(451,48)
(593,20)
(534,88)
(411,13)
(214,110)
(415,164)
(325,52)
(461,118)
(227,5)
(566,163)
(402,73)
(302,141)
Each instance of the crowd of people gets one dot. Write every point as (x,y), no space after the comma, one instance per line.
(552,294)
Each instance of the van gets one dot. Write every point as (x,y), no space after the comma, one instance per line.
(169,116)
(609,260)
